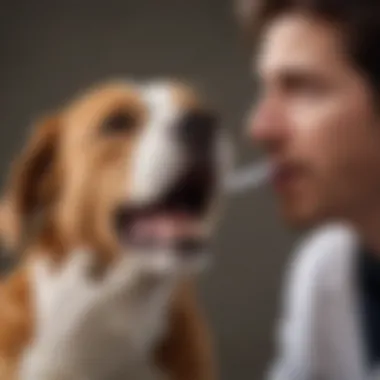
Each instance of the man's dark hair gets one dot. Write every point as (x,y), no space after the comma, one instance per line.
(359,21)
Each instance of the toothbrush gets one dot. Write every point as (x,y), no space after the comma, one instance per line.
(248,177)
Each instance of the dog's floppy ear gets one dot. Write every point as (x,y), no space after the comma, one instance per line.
(32,182)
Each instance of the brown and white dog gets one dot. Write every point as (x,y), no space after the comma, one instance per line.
(125,169)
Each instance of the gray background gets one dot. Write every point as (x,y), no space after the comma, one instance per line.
(51,49)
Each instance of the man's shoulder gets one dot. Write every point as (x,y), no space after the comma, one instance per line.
(326,249)
(328,237)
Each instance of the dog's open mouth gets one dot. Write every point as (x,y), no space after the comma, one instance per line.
(177,220)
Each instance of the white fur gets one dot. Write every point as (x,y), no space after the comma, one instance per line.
(158,158)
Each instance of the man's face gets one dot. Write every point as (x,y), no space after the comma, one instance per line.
(316,120)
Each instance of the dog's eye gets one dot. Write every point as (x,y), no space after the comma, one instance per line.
(119,122)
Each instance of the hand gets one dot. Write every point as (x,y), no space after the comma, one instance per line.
(81,328)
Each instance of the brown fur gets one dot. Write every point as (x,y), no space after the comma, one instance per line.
(66,181)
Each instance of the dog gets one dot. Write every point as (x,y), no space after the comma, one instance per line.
(124,169)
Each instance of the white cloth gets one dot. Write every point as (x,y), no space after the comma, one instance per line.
(319,335)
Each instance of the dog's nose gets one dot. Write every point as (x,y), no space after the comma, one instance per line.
(198,129)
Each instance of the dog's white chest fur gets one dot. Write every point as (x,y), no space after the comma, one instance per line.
(143,314)
(143,319)
(120,334)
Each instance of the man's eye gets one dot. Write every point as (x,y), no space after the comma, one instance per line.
(304,85)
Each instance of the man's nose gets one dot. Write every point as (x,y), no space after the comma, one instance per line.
(267,124)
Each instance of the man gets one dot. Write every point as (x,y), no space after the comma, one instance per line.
(318,118)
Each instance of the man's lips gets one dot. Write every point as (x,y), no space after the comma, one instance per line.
(285,176)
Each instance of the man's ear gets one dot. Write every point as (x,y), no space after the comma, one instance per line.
(32,182)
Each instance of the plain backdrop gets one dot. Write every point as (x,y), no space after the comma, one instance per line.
(50,50)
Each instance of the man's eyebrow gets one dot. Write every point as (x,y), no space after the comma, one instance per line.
(289,72)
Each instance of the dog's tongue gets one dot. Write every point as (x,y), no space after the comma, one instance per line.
(166,227)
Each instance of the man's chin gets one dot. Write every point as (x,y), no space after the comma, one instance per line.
(299,218)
